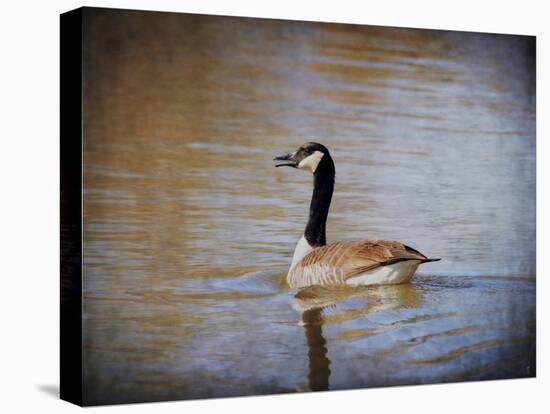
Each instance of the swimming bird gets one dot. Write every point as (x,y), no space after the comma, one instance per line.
(364,262)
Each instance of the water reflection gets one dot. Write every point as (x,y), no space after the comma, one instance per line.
(375,298)
(318,369)
(318,307)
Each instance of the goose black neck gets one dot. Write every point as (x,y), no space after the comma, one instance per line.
(323,186)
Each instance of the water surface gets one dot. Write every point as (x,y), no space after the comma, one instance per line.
(189,230)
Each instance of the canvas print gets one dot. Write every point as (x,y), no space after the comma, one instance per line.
(257,206)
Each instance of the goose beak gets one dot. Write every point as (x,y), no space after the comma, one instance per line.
(289,158)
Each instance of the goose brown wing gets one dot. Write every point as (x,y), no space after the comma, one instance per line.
(334,263)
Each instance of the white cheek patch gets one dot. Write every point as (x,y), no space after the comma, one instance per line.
(311,162)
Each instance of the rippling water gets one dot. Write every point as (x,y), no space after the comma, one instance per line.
(189,230)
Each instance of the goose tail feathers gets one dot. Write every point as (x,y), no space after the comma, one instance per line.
(435,259)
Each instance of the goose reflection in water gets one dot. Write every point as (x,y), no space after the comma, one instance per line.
(319,305)
(319,371)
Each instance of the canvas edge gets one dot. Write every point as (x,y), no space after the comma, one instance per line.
(70,111)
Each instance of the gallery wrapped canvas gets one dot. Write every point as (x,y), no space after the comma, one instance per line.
(257,206)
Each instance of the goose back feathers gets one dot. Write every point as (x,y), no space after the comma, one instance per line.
(336,263)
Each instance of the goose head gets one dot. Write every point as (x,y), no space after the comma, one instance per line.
(307,157)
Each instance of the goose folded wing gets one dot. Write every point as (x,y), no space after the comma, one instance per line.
(336,262)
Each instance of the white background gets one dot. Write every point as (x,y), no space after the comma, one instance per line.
(29,206)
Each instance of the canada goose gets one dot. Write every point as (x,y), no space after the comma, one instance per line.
(365,262)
